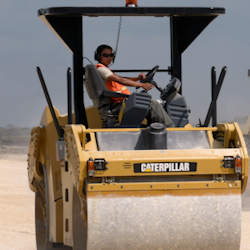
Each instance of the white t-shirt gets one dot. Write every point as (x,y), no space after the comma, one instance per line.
(105,73)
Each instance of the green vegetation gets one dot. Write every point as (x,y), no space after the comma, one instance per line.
(11,131)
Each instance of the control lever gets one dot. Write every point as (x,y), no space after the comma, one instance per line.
(157,86)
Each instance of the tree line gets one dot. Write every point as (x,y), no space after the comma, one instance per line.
(14,131)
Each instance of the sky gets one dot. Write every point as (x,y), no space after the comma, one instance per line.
(26,42)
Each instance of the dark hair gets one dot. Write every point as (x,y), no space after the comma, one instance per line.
(102,47)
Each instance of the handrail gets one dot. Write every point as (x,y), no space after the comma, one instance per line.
(60,131)
(69,96)
(212,111)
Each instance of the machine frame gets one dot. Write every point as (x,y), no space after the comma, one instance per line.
(80,186)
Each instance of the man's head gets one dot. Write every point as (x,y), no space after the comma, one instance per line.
(104,54)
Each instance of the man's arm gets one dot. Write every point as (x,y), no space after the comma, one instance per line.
(142,76)
(129,82)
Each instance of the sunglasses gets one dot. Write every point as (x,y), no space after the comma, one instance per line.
(108,55)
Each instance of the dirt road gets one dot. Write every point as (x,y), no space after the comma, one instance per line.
(17,227)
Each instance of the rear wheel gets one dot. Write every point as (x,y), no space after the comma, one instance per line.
(40,224)
(42,220)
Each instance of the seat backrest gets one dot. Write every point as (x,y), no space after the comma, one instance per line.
(95,87)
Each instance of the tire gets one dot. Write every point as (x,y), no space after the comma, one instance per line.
(42,231)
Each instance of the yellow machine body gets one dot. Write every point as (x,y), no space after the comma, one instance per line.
(125,207)
(136,187)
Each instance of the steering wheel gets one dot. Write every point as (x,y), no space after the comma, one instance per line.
(149,77)
(150,74)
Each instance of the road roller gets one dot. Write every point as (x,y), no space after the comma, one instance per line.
(106,178)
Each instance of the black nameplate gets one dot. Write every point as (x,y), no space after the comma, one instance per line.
(165,167)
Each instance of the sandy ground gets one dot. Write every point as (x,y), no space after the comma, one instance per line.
(245,228)
(17,226)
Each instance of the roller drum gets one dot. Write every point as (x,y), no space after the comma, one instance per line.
(164,222)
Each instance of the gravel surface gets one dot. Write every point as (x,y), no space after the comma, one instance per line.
(17,227)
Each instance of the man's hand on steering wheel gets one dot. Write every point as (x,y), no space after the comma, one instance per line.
(147,86)
(142,76)
(146,81)
(150,74)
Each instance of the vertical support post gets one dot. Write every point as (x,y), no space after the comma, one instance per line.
(69,28)
(214,108)
(175,53)
(80,113)
(69,86)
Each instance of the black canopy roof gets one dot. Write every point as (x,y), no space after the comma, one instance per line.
(131,11)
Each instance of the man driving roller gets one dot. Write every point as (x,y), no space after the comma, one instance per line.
(104,55)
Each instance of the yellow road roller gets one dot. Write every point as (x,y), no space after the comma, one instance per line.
(109,179)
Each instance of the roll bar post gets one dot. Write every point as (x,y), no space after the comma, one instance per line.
(60,131)
(69,85)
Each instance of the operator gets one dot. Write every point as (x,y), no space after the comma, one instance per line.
(104,55)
